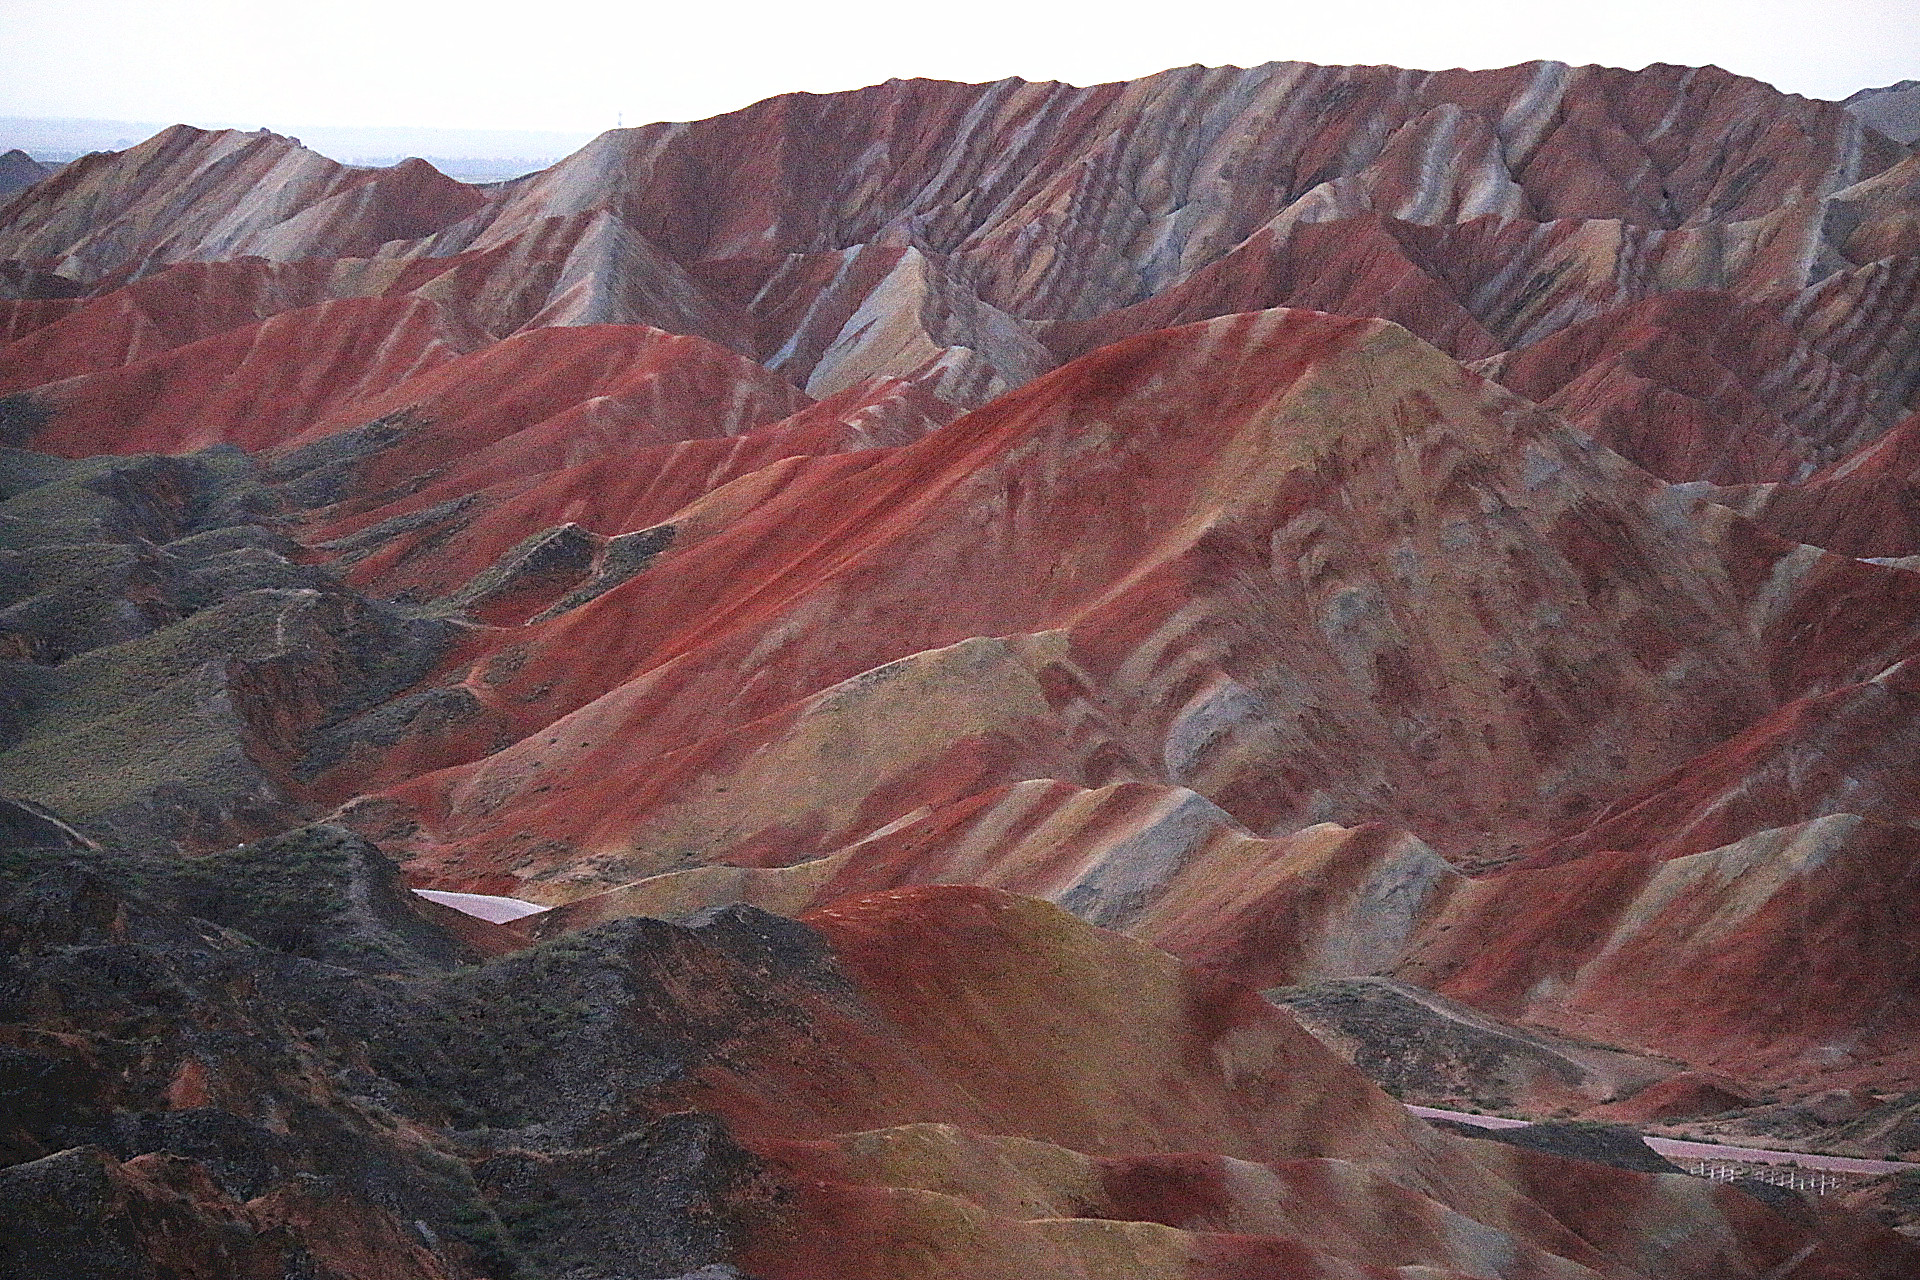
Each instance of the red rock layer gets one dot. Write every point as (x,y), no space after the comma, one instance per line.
(543,401)
(1266,460)
(1867,504)
(1234,591)
(1849,751)
(1698,386)
(932,161)
(1809,914)
(627,481)
(1161,654)
(255,387)
(179,305)
(1226,631)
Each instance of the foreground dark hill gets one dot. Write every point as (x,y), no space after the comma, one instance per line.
(264,1064)
(1320,522)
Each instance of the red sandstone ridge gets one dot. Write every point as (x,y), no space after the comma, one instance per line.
(1700,386)
(1158,544)
(254,386)
(1320,522)
(894,232)
(1219,585)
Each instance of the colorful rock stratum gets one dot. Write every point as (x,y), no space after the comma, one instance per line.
(939,596)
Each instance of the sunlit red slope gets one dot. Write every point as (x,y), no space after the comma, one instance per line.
(542,401)
(255,386)
(612,464)
(1257,604)
(181,304)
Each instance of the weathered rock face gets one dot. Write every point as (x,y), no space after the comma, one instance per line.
(154,614)
(1016,488)
(1221,612)
(1224,652)
(1892,109)
(938,231)
(1433,1051)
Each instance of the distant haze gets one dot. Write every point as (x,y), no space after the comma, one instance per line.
(465,152)
(575,67)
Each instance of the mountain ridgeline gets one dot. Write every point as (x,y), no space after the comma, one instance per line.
(937,596)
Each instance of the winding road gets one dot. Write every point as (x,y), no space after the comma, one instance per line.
(1670,1147)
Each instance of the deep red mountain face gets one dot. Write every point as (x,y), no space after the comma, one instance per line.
(1320,522)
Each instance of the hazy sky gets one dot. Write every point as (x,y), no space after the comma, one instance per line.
(575,64)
